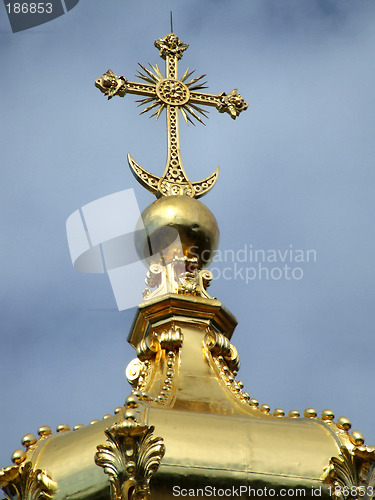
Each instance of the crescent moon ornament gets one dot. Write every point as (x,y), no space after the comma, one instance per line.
(174,95)
(145,179)
(152,183)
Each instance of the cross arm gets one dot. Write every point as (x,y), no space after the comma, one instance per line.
(111,85)
(231,103)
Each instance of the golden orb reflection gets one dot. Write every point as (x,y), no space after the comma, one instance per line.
(177,226)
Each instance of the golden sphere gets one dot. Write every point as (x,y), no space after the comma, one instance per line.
(130,414)
(278,412)
(44,430)
(265,409)
(328,415)
(310,413)
(357,438)
(177,225)
(28,440)
(131,401)
(18,456)
(254,403)
(344,423)
(293,414)
(78,426)
(63,428)
(130,467)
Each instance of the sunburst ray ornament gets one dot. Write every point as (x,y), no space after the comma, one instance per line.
(171,88)
(174,95)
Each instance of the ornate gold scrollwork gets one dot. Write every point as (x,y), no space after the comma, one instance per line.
(352,474)
(226,361)
(170,279)
(195,282)
(24,483)
(156,277)
(135,372)
(148,347)
(205,277)
(172,339)
(140,370)
(219,345)
(130,457)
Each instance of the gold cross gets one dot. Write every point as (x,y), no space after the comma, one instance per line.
(174,95)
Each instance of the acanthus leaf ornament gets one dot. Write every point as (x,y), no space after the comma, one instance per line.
(130,457)
(26,483)
(175,95)
(351,474)
(8,475)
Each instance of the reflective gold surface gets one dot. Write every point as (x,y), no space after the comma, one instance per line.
(187,398)
(178,225)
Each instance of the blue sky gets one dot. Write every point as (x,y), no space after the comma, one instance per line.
(297,169)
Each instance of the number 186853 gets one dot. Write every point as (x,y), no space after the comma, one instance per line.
(352,492)
(30,8)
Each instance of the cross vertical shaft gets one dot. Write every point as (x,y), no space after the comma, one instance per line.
(174,169)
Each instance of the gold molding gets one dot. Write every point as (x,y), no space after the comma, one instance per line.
(155,312)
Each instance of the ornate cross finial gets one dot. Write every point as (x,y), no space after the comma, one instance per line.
(174,95)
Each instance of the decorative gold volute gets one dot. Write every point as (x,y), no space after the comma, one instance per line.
(155,367)
(175,95)
(223,350)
